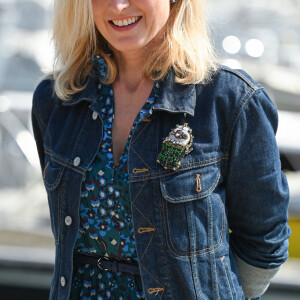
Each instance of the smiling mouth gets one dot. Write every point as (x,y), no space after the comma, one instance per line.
(125,22)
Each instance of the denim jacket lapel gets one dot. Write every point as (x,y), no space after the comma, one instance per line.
(176,97)
(90,93)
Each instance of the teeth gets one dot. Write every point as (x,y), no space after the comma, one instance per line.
(126,22)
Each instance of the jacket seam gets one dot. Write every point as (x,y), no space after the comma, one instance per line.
(164,235)
(144,217)
(241,76)
(173,111)
(153,175)
(131,147)
(148,244)
(78,138)
(236,115)
(71,103)
(154,279)
(60,161)
(58,178)
(135,198)
(225,267)
(135,138)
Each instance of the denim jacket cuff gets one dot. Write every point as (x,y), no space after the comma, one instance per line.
(255,281)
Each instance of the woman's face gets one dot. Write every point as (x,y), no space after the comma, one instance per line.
(129,25)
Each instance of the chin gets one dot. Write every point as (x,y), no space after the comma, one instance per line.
(129,47)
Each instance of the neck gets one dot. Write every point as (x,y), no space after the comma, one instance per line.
(130,69)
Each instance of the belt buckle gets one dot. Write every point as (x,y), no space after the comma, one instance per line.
(99,261)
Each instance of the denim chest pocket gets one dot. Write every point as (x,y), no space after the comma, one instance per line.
(194,214)
(53,181)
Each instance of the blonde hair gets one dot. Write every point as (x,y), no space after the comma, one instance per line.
(186,46)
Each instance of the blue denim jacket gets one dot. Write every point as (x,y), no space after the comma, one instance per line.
(181,231)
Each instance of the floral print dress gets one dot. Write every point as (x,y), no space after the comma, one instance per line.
(106,227)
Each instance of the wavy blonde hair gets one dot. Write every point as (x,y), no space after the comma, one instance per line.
(186,46)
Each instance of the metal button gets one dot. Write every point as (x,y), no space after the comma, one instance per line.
(95,115)
(68,220)
(76,161)
(62,281)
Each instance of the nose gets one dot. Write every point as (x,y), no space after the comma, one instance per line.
(119,5)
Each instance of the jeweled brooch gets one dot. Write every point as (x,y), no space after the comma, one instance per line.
(175,146)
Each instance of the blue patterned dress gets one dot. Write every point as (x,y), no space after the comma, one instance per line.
(106,227)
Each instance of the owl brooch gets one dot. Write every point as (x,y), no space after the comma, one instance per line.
(175,146)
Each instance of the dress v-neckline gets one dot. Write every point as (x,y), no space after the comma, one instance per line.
(138,117)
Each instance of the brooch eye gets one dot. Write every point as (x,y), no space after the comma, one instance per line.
(178,134)
(175,146)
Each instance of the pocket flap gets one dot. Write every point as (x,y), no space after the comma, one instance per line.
(52,174)
(190,184)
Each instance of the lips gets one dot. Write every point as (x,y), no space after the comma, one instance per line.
(126,21)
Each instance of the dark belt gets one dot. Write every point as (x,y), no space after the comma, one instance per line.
(107,264)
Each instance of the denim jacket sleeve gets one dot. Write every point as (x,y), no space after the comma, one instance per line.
(41,109)
(38,135)
(257,195)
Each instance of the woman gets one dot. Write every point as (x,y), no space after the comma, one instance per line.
(150,152)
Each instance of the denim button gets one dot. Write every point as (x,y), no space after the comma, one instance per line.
(68,220)
(76,161)
(62,281)
(95,115)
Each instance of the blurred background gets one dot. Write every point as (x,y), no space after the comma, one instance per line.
(259,36)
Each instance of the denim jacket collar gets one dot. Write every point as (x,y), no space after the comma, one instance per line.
(175,97)
(90,93)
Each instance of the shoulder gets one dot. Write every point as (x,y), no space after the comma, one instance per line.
(43,98)
(44,91)
(234,97)
(236,76)
(234,81)
(246,89)
(232,90)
